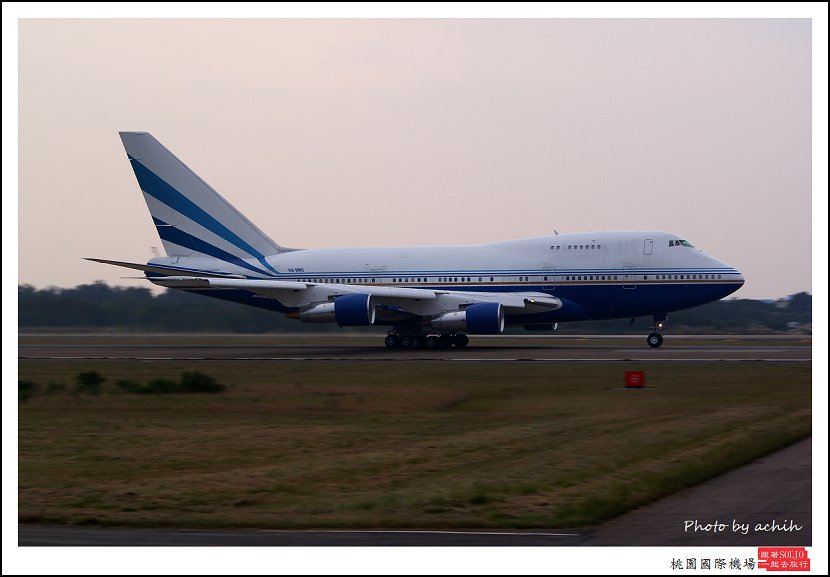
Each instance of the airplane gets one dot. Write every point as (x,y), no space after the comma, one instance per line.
(430,296)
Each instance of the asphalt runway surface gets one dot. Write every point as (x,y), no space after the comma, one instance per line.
(482,349)
(770,497)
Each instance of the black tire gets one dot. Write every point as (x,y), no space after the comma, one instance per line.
(654,340)
(391,341)
(461,341)
(431,343)
(416,342)
(405,341)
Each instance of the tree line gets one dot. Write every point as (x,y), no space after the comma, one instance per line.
(98,306)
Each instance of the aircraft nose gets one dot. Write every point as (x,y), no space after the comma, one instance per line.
(733,277)
(737,279)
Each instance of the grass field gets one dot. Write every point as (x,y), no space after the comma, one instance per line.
(392,444)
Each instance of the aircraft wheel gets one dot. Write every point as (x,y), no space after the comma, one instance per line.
(406,341)
(654,340)
(431,342)
(415,342)
(391,341)
(461,341)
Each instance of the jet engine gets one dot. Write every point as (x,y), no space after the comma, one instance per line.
(479,319)
(354,310)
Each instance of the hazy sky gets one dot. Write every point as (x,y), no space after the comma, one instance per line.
(383,132)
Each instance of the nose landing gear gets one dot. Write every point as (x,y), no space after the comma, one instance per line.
(655,339)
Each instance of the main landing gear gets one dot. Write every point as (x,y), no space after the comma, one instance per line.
(655,339)
(395,339)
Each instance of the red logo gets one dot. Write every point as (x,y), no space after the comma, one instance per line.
(783,559)
(635,378)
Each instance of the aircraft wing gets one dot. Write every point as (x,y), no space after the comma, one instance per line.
(416,301)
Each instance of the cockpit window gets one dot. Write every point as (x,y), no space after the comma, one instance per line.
(681,243)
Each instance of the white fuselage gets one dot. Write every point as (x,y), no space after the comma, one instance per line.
(596,272)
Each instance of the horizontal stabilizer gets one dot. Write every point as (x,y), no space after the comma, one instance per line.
(163,270)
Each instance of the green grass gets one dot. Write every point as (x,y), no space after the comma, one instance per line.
(392,444)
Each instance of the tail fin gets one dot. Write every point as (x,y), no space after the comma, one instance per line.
(192,219)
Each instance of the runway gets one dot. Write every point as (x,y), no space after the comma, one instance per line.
(325,348)
(774,488)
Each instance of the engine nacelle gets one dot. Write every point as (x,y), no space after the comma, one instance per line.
(451,321)
(319,313)
(355,310)
(479,319)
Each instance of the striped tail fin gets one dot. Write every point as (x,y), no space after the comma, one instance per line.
(191,218)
